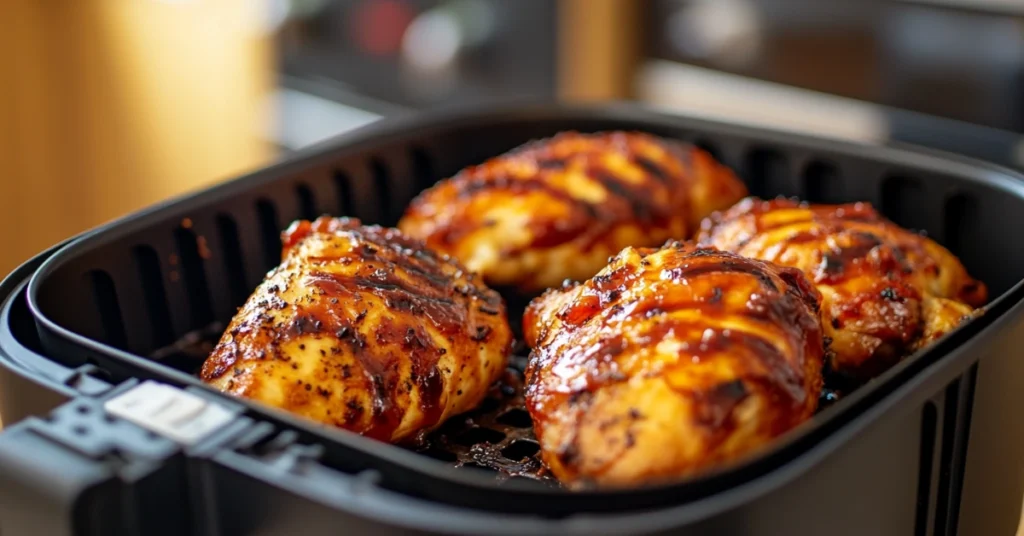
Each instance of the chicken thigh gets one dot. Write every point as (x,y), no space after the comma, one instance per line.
(556,209)
(886,291)
(363,328)
(668,362)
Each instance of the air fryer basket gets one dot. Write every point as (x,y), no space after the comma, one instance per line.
(117,296)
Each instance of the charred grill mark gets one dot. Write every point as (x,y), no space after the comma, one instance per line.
(733,390)
(639,204)
(480,333)
(652,169)
(867,240)
(800,287)
(467,185)
(447,315)
(831,264)
(435,277)
(779,370)
(901,260)
(551,163)
(545,233)
(721,266)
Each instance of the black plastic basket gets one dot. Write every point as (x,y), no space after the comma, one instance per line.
(927,448)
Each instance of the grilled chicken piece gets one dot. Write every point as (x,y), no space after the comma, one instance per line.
(886,291)
(364,329)
(556,209)
(668,362)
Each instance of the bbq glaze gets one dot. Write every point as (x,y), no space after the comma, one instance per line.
(558,208)
(365,329)
(670,361)
(886,291)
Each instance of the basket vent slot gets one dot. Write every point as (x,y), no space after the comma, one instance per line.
(307,202)
(518,418)
(929,419)
(767,174)
(898,195)
(956,425)
(709,148)
(105,297)
(488,405)
(147,261)
(423,168)
(270,233)
(194,274)
(381,175)
(344,190)
(822,183)
(519,449)
(960,213)
(234,261)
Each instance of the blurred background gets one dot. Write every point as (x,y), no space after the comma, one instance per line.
(111,105)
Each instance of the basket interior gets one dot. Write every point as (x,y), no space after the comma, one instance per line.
(163,279)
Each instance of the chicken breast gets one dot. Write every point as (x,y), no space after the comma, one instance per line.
(668,362)
(886,291)
(364,329)
(556,209)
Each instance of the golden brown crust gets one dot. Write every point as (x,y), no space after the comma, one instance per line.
(880,283)
(363,328)
(556,209)
(670,361)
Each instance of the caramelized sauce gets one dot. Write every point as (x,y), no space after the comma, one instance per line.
(397,363)
(659,193)
(876,273)
(581,352)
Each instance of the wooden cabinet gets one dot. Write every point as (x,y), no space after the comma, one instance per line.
(111,105)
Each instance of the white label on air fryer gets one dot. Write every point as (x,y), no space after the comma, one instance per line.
(168,411)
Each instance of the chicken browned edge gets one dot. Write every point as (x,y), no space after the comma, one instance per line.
(557,208)
(887,292)
(363,328)
(669,362)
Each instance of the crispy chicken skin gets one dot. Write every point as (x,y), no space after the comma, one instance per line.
(886,291)
(364,329)
(668,362)
(557,208)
